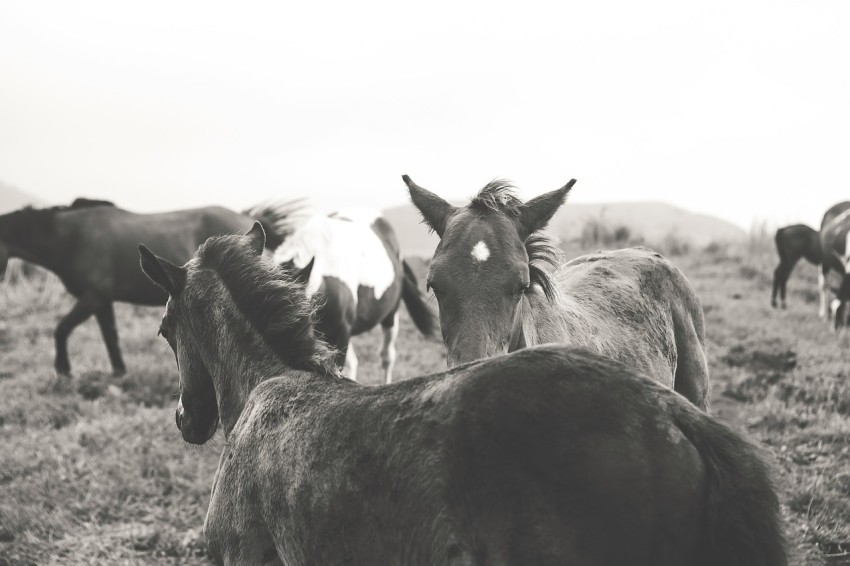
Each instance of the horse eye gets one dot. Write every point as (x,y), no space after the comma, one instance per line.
(430,287)
(522,288)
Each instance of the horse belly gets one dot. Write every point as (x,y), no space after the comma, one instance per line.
(372,310)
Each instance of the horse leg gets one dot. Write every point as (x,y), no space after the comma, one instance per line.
(780,283)
(85,307)
(106,320)
(388,352)
(823,311)
(350,370)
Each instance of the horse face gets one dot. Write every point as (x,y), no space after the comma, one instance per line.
(479,274)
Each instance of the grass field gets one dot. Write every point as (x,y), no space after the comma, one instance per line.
(93,470)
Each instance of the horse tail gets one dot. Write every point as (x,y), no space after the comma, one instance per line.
(743,524)
(414,300)
(279,219)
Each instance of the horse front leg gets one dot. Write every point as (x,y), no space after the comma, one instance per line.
(85,307)
(388,351)
(106,320)
(823,311)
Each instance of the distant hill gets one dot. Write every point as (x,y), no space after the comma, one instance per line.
(12,198)
(651,220)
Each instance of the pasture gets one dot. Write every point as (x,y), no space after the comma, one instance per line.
(94,470)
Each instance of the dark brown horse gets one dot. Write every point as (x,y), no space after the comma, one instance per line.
(834,235)
(489,275)
(551,455)
(792,243)
(91,245)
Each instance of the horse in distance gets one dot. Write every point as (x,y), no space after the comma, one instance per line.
(91,245)
(549,455)
(495,294)
(352,262)
(834,233)
(792,243)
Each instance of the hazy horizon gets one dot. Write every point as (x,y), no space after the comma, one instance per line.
(734,109)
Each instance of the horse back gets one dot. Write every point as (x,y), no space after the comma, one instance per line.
(498,471)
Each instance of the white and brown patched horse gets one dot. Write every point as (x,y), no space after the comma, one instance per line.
(551,455)
(495,295)
(834,236)
(352,261)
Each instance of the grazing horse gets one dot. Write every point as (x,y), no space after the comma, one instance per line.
(550,455)
(91,245)
(495,295)
(352,260)
(792,243)
(834,233)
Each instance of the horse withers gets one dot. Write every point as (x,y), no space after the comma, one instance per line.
(834,235)
(491,276)
(351,261)
(91,245)
(792,243)
(550,455)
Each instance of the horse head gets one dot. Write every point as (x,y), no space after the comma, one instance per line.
(197,410)
(482,268)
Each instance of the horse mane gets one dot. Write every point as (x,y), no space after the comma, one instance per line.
(499,195)
(272,301)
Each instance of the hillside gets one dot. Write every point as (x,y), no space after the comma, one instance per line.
(12,198)
(651,220)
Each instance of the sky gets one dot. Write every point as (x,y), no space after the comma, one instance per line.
(739,109)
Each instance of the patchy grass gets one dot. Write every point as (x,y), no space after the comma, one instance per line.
(94,470)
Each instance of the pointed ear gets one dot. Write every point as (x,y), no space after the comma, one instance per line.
(435,211)
(162,272)
(257,238)
(303,275)
(536,213)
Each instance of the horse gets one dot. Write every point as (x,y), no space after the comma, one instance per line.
(352,262)
(834,232)
(792,243)
(495,295)
(91,246)
(550,455)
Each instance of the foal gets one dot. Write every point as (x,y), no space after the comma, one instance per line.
(551,455)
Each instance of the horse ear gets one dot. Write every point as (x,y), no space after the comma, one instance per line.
(170,277)
(435,211)
(303,274)
(257,237)
(536,213)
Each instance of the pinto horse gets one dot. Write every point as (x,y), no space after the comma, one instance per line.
(550,455)
(834,235)
(495,295)
(91,245)
(792,243)
(351,260)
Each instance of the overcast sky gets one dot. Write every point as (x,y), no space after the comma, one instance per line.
(737,108)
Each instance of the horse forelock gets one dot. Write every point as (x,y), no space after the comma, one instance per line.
(275,305)
(499,195)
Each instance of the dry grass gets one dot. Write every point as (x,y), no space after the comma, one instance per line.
(94,470)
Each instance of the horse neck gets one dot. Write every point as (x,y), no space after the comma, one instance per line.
(20,243)
(236,366)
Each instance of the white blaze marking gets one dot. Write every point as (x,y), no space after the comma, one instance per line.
(344,247)
(480,251)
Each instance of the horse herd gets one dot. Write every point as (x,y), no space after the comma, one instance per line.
(829,249)
(572,426)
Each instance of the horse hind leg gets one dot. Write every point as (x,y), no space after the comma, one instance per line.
(84,308)
(106,320)
(388,350)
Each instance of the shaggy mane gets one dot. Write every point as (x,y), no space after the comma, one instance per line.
(273,303)
(499,195)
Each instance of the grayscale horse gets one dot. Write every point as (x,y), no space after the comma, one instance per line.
(91,245)
(551,455)
(834,233)
(495,294)
(352,262)
(792,243)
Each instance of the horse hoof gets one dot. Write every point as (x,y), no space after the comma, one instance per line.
(119,372)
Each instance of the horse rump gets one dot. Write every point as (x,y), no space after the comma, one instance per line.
(743,525)
(414,300)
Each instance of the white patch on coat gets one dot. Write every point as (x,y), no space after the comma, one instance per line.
(480,251)
(344,247)
(833,307)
